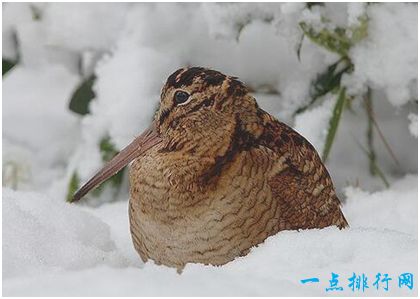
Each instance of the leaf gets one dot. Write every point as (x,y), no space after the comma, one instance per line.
(108,151)
(310,4)
(334,41)
(337,40)
(14,173)
(36,12)
(331,78)
(7,65)
(359,32)
(299,46)
(327,81)
(73,186)
(334,121)
(82,96)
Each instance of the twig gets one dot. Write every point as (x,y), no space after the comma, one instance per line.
(369,133)
(375,166)
(375,123)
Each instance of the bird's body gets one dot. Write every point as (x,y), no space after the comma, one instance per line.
(214,224)
(226,189)
(223,176)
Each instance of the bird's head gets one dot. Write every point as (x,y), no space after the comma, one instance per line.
(200,109)
(202,112)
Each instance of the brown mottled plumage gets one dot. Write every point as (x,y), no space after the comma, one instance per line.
(216,175)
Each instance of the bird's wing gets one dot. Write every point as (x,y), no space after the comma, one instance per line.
(302,184)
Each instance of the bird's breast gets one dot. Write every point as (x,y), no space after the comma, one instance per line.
(174,224)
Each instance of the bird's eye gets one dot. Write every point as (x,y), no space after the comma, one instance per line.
(181,97)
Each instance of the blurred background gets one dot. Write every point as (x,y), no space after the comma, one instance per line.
(80,80)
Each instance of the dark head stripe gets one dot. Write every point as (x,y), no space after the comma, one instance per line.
(236,88)
(186,77)
(172,79)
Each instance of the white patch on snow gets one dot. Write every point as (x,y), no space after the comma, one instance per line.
(69,25)
(42,235)
(413,126)
(314,123)
(36,118)
(385,59)
(13,15)
(355,10)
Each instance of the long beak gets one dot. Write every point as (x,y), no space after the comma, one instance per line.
(148,139)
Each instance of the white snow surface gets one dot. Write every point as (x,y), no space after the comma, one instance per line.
(413,127)
(386,24)
(313,123)
(54,248)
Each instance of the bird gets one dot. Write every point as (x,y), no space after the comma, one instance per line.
(215,175)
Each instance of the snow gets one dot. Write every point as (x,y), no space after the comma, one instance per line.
(35,128)
(354,11)
(313,123)
(413,126)
(392,29)
(87,251)
(69,22)
(54,248)
(48,235)
(395,199)
(13,16)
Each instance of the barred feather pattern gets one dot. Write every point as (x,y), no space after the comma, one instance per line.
(227,176)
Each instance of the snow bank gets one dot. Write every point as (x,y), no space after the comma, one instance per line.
(393,209)
(54,249)
(41,235)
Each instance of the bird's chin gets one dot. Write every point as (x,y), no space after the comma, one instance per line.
(148,139)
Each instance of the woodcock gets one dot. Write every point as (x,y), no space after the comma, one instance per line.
(215,175)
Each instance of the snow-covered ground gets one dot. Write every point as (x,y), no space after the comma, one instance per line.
(54,248)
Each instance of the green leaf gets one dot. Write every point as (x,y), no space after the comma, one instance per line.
(334,121)
(330,80)
(36,13)
(359,32)
(7,65)
(310,4)
(108,151)
(82,96)
(73,186)
(327,81)
(334,41)
(299,46)
(339,40)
